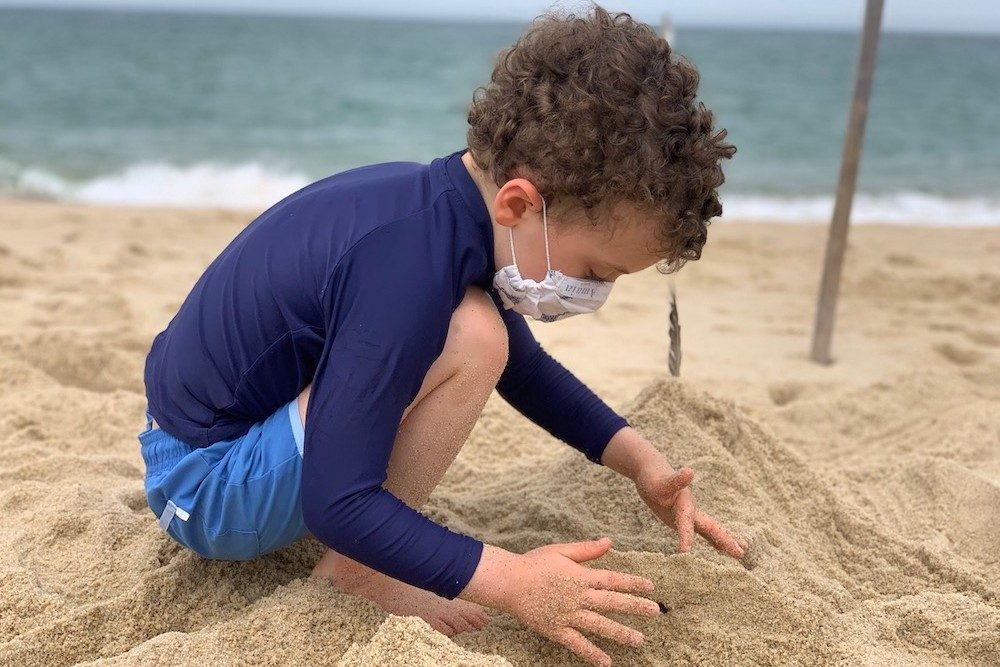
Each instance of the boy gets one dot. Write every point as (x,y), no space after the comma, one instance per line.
(326,368)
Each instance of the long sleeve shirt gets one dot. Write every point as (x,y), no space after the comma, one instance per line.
(350,284)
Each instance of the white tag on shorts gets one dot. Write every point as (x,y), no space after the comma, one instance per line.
(168,514)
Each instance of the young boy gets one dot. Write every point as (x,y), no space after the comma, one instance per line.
(326,368)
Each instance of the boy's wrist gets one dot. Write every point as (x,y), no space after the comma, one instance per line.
(491,582)
(628,453)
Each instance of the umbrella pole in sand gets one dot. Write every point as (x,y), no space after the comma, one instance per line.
(837,238)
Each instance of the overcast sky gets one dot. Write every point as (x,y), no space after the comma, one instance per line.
(922,15)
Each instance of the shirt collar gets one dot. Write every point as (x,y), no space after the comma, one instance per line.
(462,180)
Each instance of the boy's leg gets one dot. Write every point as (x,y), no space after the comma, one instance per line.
(433,429)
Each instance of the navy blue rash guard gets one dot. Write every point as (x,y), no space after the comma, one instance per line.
(350,283)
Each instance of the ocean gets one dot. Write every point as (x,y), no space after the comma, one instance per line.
(237,111)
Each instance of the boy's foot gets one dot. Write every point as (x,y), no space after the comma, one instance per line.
(449,617)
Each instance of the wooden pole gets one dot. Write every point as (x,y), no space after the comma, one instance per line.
(837,238)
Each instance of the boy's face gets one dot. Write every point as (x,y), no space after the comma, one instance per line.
(578,248)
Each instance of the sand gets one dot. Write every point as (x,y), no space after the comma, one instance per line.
(869,490)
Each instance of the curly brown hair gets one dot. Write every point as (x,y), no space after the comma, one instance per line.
(597,110)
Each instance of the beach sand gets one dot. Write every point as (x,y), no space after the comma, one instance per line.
(869,490)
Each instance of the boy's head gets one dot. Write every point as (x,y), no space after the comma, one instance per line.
(596,114)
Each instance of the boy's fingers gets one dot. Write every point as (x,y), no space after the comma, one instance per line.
(461,624)
(477,620)
(610,580)
(583,647)
(684,514)
(673,484)
(584,551)
(621,603)
(443,627)
(710,529)
(591,621)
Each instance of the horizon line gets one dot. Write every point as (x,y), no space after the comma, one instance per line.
(410,18)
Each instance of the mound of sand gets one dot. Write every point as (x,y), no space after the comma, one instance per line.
(408,641)
(871,510)
(87,573)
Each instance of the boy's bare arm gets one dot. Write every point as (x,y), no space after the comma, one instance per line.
(552,593)
(666,490)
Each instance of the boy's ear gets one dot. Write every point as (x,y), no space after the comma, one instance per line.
(516,198)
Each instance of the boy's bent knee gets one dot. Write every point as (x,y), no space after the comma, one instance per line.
(477,327)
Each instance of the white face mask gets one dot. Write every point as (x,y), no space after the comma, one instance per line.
(556,296)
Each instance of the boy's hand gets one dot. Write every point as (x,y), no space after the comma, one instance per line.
(668,496)
(665,491)
(557,597)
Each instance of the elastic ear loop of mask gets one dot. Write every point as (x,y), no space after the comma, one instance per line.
(545,228)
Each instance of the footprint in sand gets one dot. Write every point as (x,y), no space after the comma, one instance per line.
(902,259)
(10,279)
(984,337)
(136,501)
(128,255)
(783,393)
(958,355)
(97,366)
(944,326)
(86,302)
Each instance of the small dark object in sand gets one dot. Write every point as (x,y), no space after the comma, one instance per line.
(674,332)
(663,608)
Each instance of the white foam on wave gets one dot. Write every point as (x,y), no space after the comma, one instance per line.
(243,186)
(911,208)
(253,185)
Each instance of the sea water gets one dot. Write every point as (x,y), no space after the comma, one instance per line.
(239,110)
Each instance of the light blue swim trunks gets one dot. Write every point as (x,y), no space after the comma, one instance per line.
(235,499)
